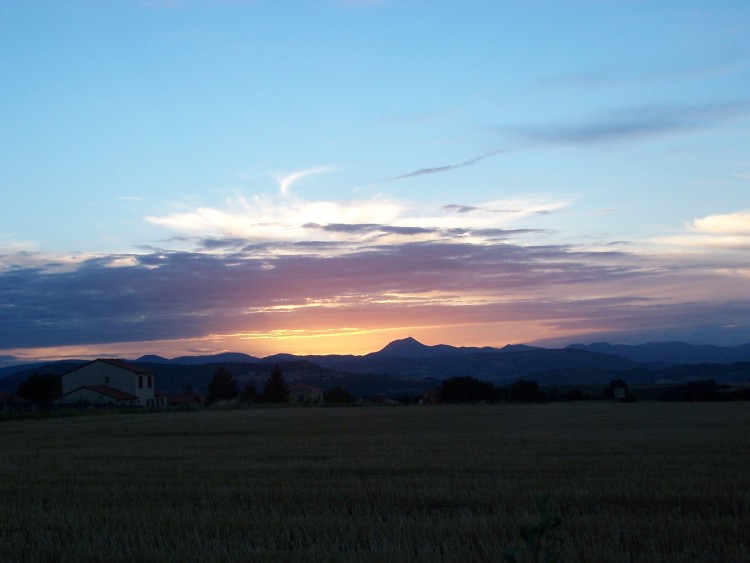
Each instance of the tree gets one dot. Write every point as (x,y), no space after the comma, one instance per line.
(338,395)
(41,389)
(275,390)
(523,391)
(249,393)
(466,390)
(222,386)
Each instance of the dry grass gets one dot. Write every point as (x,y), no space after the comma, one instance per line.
(636,482)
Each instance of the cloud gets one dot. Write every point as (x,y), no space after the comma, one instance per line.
(286,181)
(458,208)
(363,280)
(727,231)
(447,167)
(188,294)
(265,266)
(291,219)
(262,219)
(635,123)
(726,224)
(370,228)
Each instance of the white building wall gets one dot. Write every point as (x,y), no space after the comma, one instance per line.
(102,373)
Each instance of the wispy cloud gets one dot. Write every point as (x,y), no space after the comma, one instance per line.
(264,219)
(292,219)
(635,122)
(286,181)
(448,167)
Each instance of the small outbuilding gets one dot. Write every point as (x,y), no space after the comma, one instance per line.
(619,393)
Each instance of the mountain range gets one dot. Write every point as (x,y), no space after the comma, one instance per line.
(407,366)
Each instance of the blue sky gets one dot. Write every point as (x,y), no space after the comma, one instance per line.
(328,175)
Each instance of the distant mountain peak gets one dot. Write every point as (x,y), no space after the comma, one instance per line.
(405,347)
(411,341)
(407,343)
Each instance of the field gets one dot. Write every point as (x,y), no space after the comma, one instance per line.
(631,482)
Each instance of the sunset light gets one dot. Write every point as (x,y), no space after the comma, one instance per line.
(195,177)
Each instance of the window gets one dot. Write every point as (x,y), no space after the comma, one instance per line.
(106,379)
(149,382)
(140,382)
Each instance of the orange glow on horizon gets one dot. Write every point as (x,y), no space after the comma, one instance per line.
(307,342)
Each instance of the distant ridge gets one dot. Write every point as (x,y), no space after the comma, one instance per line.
(671,352)
(225,357)
(405,348)
(412,348)
(407,365)
(153,359)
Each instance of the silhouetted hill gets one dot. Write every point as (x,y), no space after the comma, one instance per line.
(10,377)
(153,359)
(409,367)
(671,352)
(495,365)
(412,348)
(226,357)
(176,378)
(675,374)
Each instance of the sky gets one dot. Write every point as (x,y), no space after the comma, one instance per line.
(326,176)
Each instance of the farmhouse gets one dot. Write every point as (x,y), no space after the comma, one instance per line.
(302,394)
(109,382)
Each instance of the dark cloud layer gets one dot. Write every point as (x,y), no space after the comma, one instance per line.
(636,122)
(449,233)
(189,294)
(167,295)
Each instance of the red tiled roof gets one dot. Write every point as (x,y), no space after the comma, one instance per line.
(108,391)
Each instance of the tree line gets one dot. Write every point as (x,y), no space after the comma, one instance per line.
(43,389)
(471,390)
(223,387)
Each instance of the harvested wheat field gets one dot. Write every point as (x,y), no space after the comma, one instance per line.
(629,482)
